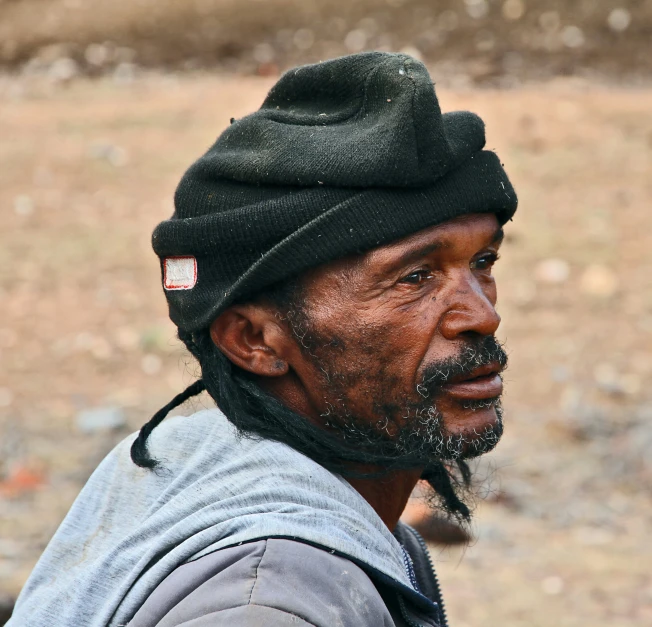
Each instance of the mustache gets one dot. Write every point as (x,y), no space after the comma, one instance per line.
(476,352)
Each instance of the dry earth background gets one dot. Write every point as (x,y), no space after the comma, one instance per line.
(102,107)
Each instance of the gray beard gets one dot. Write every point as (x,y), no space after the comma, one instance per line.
(420,435)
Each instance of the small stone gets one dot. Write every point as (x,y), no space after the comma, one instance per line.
(638,444)
(593,536)
(83,341)
(552,271)
(100,419)
(53,52)
(304,38)
(101,349)
(552,585)
(264,53)
(127,397)
(573,37)
(33,67)
(599,281)
(115,155)
(355,40)
(6,397)
(10,549)
(630,384)
(118,157)
(151,364)
(513,9)
(23,205)
(570,400)
(489,531)
(369,25)
(20,480)
(61,346)
(619,19)
(560,374)
(63,70)
(97,54)
(127,338)
(125,73)
(606,376)
(611,381)
(477,9)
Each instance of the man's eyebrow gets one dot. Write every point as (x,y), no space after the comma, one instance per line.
(419,253)
(409,257)
(499,236)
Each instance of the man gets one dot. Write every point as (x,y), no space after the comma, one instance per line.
(329,266)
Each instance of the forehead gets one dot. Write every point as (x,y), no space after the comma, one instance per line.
(455,237)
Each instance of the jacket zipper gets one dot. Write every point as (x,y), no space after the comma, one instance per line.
(406,615)
(438,594)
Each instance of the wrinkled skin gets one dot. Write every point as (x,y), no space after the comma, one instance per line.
(375,323)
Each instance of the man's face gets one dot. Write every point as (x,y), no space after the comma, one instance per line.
(397,345)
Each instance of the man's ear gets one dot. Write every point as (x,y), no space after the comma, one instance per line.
(253,339)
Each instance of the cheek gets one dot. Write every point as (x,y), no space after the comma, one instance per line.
(399,339)
(416,331)
(389,339)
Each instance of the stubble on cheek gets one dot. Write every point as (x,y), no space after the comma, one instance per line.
(359,373)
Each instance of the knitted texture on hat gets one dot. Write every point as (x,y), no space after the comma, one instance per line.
(342,156)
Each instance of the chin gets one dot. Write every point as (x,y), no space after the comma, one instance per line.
(476,430)
(465,420)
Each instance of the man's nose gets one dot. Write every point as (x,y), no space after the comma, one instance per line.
(471,309)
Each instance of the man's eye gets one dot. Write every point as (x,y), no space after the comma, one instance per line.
(415,278)
(485,262)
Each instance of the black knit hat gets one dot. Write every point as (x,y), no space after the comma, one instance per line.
(342,156)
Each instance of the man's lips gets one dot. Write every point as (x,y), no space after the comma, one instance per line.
(482,383)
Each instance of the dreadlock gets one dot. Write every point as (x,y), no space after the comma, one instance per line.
(257,414)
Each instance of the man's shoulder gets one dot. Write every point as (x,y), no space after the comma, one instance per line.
(275,582)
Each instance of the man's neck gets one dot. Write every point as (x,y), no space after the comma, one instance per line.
(389,494)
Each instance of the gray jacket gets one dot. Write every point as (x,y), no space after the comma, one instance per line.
(283,583)
(216,492)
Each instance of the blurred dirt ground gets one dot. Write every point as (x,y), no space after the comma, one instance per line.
(491,42)
(89,167)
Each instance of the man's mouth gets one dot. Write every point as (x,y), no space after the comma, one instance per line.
(481,383)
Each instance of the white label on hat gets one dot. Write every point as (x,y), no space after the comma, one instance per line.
(179,273)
